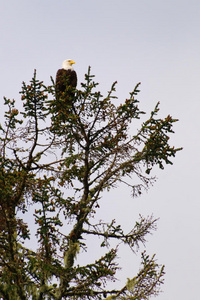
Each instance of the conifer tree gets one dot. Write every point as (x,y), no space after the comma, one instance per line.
(57,161)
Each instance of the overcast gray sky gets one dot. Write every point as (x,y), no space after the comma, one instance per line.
(153,42)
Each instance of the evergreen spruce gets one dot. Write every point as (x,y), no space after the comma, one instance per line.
(56,164)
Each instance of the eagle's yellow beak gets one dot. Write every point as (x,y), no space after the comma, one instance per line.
(72,62)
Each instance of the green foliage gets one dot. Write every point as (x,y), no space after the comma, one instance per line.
(57,162)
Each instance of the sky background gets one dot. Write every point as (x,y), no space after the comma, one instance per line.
(153,42)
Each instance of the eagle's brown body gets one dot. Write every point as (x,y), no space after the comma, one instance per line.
(65,79)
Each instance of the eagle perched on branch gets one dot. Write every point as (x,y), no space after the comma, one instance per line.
(66,81)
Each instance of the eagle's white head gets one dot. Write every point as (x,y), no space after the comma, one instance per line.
(67,64)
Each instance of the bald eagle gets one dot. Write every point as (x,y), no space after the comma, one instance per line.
(66,81)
